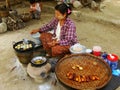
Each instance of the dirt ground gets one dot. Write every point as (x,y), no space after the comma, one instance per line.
(93,28)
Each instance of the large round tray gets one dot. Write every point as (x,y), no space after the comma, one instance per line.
(92,65)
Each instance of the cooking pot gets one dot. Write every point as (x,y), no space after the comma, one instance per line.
(26,55)
(21,49)
(38,61)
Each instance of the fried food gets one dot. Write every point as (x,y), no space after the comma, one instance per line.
(77,66)
(71,75)
(23,46)
(73,67)
(94,77)
(39,61)
(81,78)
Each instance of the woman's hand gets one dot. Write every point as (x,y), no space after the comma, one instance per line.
(34,31)
(53,43)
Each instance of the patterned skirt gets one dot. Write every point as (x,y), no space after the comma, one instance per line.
(56,50)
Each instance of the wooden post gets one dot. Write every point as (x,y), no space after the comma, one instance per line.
(7,4)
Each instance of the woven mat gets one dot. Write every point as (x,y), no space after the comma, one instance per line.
(114,82)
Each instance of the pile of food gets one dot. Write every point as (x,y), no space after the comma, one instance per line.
(23,46)
(81,78)
(77,49)
(38,61)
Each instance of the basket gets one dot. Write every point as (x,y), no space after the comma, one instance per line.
(25,17)
(92,65)
(4,13)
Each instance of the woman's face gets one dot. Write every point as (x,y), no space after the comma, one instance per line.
(59,15)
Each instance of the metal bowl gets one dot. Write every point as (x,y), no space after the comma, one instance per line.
(38,61)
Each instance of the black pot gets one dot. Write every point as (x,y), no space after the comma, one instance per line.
(21,50)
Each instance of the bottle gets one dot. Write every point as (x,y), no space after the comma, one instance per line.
(112,60)
(104,56)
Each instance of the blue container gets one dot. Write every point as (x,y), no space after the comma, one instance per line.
(112,60)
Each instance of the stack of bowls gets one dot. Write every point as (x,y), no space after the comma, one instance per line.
(36,36)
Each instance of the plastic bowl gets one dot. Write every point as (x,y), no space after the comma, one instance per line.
(36,36)
(80,49)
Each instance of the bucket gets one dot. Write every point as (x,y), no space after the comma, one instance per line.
(24,56)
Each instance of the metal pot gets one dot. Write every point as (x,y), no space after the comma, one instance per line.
(24,56)
(21,49)
(38,61)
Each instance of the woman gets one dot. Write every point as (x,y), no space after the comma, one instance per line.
(64,32)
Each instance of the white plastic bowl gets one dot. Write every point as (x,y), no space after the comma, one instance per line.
(80,49)
(88,50)
(36,36)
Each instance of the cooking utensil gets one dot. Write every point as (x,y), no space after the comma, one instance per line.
(38,61)
(21,49)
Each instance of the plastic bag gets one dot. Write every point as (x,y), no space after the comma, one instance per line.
(116,72)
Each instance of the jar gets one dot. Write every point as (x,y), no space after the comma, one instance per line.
(97,50)
(112,60)
(104,56)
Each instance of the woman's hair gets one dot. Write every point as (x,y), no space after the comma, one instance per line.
(38,0)
(64,8)
(32,1)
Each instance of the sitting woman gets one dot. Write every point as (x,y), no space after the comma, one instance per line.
(64,32)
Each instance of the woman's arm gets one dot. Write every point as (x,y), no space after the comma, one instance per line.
(49,26)
(46,27)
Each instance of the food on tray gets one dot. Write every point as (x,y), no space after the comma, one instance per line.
(94,63)
(23,46)
(77,66)
(81,78)
(77,78)
(70,75)
(77,49)
(73,67)
(39,61)
(94,77)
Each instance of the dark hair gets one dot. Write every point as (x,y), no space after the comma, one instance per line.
(63,8)
(32,1)
(38,0)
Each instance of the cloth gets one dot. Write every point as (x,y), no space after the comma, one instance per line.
(58,32)
(56,50)
(68,34)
